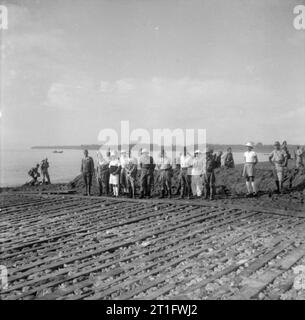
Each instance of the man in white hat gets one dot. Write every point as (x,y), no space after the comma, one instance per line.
(249,169)
(278,159)
(147,173)
(197,173)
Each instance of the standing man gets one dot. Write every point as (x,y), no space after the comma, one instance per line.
(185,180)
(45,170)
(131,169)
(249,169)
(124,159)
(103,174)
(197,172)
(209,175)
(229,161)
(165,169)
(278,158)
(87,170)
(147,174)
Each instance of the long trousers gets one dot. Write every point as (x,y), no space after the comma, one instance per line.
(88,181)
(197,185)
(185,182)
(103,182)
(209,181)
(146,181)
(45,174)
(166,181)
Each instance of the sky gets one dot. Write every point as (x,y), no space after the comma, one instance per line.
(71,68)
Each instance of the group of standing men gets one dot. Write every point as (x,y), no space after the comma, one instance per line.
(117,173)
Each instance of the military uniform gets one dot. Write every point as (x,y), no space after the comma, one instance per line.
(147,175)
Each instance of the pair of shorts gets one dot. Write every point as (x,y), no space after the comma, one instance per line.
(249,170)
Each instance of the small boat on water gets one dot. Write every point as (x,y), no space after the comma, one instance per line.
(57,151)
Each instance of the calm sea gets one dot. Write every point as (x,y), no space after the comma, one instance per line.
(15,164)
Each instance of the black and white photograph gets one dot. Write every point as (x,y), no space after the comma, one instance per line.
(152,150)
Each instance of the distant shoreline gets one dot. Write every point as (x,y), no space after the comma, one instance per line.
(216,147)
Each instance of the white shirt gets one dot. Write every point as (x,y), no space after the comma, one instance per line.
(124,161)
(163,162)
(197,168)
(185,161)
(250,156)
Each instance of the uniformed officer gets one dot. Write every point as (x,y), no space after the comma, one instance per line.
(87,170)
(147,173)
